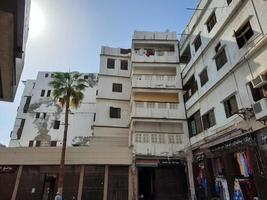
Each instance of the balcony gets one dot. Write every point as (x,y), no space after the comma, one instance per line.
(158,110)
(151,56)
(155,81)
(157,144)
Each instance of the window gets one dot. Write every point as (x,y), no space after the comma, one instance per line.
(208,119)
(42,93)
(203,77)
(229,2)
(53,143)
(162,105)
(19,132)
(46,75)
(145,138)
(154,138)
(243,34)
(27,104)
(44,115)
(94,117)
(138,138)
(220,58)
(38,143)
(258,93)
(190,88)
(52,75)
(186,55)
(171,139)
(114,112)
(230,106)
(178,139)
(110,63)
(96,92)
(150,105)
(31,143)
(161,138)
(37,115)
(197,42)
(124,64)
(48,93)
(86,77)
(116,87)
(211,21)
(56,124)
(174,105)
(195,124)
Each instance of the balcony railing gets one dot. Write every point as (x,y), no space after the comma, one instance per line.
(157,110)
(154,81)
(154,56)
(160,144)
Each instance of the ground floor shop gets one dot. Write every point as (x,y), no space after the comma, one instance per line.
(161,180)
(80,182)
(232,170)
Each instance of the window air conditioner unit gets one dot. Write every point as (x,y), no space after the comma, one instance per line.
(260,109)
(259,81)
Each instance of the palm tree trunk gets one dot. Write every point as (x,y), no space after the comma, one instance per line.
(62,162)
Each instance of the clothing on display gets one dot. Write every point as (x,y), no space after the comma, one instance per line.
(221,188)
(244,166)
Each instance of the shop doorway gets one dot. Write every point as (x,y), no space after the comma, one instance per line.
(146,183)
(49,189)
(161,183)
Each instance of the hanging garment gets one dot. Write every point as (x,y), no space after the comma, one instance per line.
(237,191)
(223,188)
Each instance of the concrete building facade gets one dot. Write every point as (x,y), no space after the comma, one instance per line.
(223,63)
(14,26)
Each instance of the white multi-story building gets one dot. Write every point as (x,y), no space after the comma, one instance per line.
(158,130)
(113,97)
(224,51)
(40,120)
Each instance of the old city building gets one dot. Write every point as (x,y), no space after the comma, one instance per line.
(223,62)
(166,119)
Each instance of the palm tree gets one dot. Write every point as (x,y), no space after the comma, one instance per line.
(68,89)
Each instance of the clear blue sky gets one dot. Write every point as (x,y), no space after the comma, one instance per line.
(74,31)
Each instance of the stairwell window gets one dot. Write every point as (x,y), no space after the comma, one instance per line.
(211,21)
(124,64)
(197,42)
(110,63)
(230,106)
(203,77)
(114,112)
(116,87)
(220,56)
(208,119)
(56,124)
(243,34)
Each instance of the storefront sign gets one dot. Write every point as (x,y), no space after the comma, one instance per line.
(244,140)
(7,169)
(168,162)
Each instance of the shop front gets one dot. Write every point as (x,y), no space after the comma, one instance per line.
(231,170)
(162,179)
